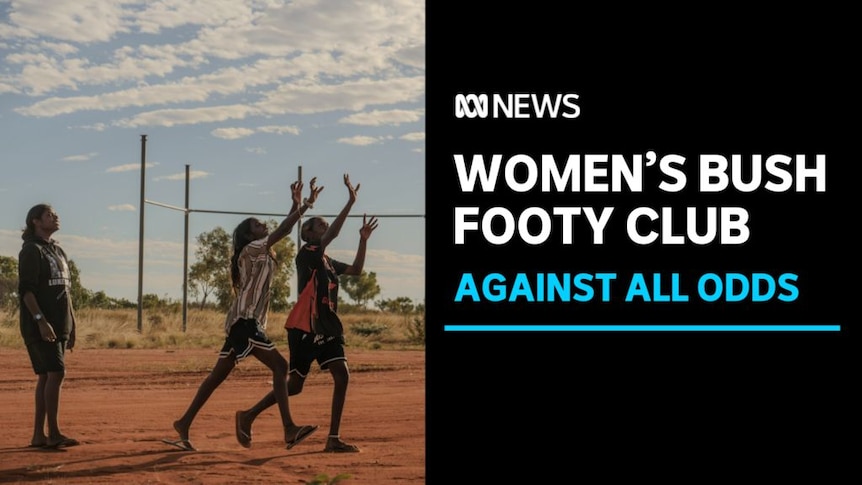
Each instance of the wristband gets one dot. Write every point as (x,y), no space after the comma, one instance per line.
(306,202)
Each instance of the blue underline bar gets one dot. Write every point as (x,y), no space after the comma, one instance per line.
(641,328)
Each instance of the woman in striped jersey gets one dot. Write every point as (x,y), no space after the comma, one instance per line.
(252,265)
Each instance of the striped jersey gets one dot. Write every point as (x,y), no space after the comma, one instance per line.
(252,296)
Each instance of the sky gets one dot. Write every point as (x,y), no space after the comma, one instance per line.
(242,95)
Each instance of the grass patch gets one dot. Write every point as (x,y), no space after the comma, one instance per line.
(163,329)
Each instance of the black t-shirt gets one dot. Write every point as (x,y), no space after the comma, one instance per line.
(310,257)
(43,270)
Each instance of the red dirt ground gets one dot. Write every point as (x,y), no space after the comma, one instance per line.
(120,403)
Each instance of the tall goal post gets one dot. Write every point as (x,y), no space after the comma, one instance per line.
(186,212)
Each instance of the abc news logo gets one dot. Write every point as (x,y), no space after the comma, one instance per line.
(516,105)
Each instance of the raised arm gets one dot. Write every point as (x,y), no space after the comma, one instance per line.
(335,228)
(296,210)
(368,226)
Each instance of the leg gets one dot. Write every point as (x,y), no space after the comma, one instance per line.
(217,375)
(53,384)
(276,363)
(295,383)
(39,438)
(293,433)
(340,377)
(300,364)
(294,387)
(48,364)
(245,418)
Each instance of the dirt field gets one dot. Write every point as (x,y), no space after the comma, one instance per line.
(121,403)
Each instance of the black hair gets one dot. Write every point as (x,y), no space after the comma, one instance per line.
(306,226)
(241,237)
(35,212)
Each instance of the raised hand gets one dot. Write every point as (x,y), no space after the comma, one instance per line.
(296,193)
(312,196)
(350,188)
(368,226)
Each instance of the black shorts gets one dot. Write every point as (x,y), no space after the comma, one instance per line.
(47,356)
(244,336)
(305,348)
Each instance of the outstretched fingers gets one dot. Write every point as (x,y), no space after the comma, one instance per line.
(368,226)
(353,190)
(296,191)
(315,190)
(372,223)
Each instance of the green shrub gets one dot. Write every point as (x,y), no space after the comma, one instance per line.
(368,329)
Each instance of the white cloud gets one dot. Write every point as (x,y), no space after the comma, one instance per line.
(241,132)
(273,53)
(122,207)
(170,14)
(415,136)
(129,167)
(62,48)
(172,117)
(80,158)
(93,127)
(81,21)
(378,117)
(279,130)
(412,55)
(7,88)
(193,174)
(350,96)
(361,140)
(232,133)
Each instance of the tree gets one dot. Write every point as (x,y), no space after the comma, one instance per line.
(151,301)
(360,288)
(402,304)
(100,299)
(200,284)
(285,252)
(8,282)
(80,295)
(211,272)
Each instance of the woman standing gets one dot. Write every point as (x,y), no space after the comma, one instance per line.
(47,319)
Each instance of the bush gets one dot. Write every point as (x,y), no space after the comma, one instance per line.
(368,329)
(416,330)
